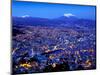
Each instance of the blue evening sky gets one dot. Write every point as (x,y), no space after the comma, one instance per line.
(47,10)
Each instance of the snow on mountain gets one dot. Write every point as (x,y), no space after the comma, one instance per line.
(25,16)
(68,15)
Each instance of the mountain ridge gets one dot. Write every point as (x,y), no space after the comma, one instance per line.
(71,21)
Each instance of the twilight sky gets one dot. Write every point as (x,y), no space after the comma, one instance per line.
(47,10)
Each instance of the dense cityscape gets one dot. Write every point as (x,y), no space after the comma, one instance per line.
(38,49)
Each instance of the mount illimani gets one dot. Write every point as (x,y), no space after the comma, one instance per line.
(62,21)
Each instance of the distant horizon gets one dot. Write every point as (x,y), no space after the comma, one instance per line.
(50,11)
(49,18)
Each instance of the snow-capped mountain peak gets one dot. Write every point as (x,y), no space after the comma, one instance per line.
(68,15)
(25,16)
